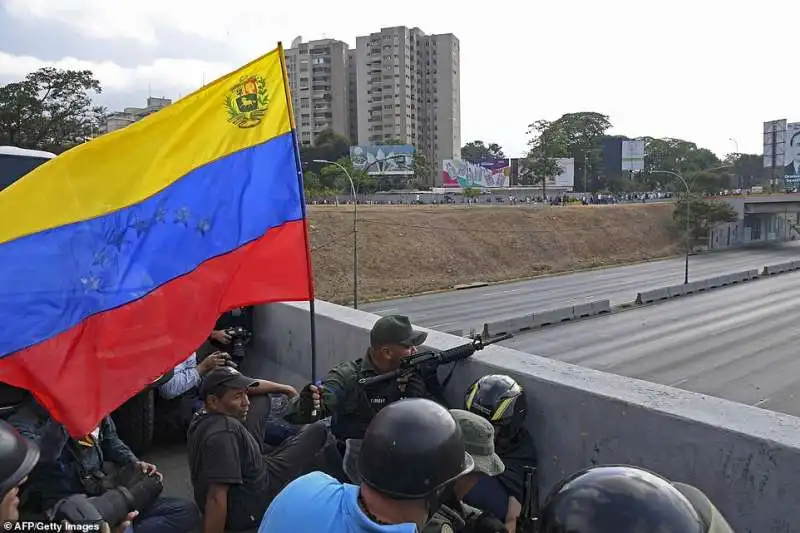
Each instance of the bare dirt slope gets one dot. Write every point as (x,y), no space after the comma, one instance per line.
(412,249)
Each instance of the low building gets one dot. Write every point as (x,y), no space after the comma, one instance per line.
(119,119)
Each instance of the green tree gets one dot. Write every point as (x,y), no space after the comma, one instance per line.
(546,144)
(748,170)
(582,136)
(50,109)
(703,215)
(477,151)
(332,177)
(328,145)
(313,187)
(676,155)
(422,169)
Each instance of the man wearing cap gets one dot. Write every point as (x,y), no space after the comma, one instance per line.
(233,480)
(352,406)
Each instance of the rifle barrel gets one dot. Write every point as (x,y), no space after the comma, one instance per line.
(438,358)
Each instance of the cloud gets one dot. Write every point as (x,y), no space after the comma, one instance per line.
(146,21)
(168,77)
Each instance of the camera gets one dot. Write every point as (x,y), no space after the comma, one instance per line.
(112,506)
(239,338)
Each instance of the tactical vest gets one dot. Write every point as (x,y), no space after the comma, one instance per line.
(351,419)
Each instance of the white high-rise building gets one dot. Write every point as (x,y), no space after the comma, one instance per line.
(319,77)
(408,89)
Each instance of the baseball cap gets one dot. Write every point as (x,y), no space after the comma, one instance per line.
(479,442)
(395,329)
(227,377)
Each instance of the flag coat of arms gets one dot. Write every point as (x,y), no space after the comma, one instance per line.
(118,256)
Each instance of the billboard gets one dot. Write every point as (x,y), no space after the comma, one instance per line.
(791,158)
(383,160)
(567,176)
(632,155)
(774,137)
(499,168)
(564,180)
(460,173)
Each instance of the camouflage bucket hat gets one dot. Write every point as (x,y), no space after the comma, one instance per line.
(479,442)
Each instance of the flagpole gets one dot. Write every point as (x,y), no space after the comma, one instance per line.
(298,162)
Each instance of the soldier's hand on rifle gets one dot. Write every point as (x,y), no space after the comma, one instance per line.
(310,396)
(315,396)
(221,336)
(215,360)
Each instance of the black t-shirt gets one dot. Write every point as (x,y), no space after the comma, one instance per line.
(221,450)
(516,454)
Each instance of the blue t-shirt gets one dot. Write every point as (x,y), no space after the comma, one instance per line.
(318,503)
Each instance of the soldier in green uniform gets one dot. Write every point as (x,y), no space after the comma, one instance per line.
(352,406)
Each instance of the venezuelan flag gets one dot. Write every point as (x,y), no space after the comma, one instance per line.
(118,256)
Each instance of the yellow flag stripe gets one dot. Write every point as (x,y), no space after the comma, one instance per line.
(239,110)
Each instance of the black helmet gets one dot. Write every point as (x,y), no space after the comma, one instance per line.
(499,399)
(413,449)
(18,456)
(618,499)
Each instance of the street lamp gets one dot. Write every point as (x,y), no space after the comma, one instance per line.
(688,214)
(355,214)
(735,143)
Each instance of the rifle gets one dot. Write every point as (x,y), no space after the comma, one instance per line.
(528,515)
(412,362)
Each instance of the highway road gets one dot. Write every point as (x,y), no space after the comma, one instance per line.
(470,308)
(741,343)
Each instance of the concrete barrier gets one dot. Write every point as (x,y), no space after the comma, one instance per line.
(677,290)
(744,458)
(601,307)
(582,310)
(511,325)
(744,276)
(554,316)
(654,295)
(673,291)
(546,318)
(780,268)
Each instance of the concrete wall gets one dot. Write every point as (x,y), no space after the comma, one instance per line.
(746,459)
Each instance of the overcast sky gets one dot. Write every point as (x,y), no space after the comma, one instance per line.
(705,71)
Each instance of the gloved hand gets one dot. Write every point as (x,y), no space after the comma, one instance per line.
(486,523)
(310,400)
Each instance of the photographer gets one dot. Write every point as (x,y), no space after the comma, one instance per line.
(179,398)
(240,317)
(18,456)
(71,466)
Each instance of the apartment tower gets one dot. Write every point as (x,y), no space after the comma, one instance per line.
(319,79)
(408,89)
